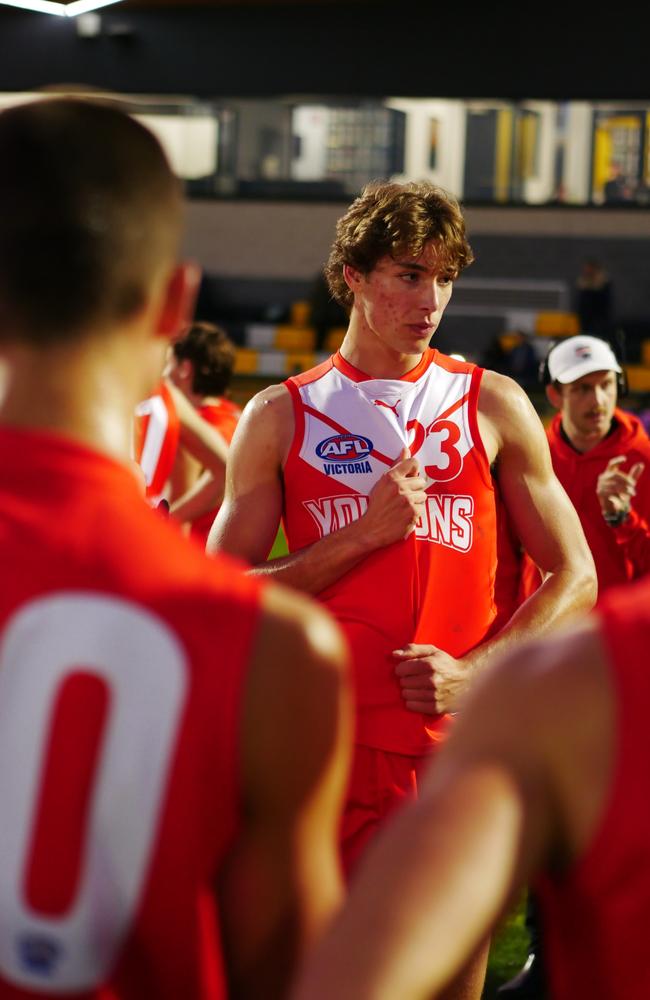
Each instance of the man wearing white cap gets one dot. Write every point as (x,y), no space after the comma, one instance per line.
(601,455)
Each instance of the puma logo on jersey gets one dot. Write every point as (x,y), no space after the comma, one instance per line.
(380,402)
(333,513)
(447,521)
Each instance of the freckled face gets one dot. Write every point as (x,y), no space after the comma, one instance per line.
(401,302)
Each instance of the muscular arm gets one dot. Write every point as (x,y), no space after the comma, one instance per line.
(283,881)
(541,513)
(496,804)
(544,519)
(247,523)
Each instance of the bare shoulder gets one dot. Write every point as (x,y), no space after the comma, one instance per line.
(556,670)
(570,745)
(273,401)
(505,412)
(500,398)
(304,625)
(542,687)
(267,420)
(298,700)
(544,718)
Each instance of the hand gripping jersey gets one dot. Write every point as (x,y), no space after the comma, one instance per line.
(122,660)
(156,431)
(597,915)
(224,416)
(437,585)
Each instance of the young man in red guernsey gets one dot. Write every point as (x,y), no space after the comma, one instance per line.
(172,733)
(380,464)
(163,424)
(200,366)
(543,780)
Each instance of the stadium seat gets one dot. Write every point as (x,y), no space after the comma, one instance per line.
(645,352)
(508,341)
(294,338)
(555,323)
(259,336)
(638,378)
(246,361)
(299,361)
(334,339)
(300,313)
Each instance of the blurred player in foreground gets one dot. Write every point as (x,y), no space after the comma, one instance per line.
(172,734)
(544,777)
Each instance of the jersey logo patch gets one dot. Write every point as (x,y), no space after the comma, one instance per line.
(38,953)
(393,408)
(344,448)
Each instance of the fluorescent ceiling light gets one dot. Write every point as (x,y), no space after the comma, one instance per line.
(83,6)
(60,9)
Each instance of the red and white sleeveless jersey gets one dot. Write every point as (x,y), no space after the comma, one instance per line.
(123,655)
(437,585)
(156,431)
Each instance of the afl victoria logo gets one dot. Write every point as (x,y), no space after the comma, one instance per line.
(344,448)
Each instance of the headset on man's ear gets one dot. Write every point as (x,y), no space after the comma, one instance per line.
(621,377)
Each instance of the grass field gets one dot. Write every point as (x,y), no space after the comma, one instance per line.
(510,943)
(508,951)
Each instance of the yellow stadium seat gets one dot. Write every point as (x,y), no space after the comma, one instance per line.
(334,338)
(294,338)
(246,361)
(508,341)
(638,377)
(299,361)
(300,313)
(645,352)
(557,324)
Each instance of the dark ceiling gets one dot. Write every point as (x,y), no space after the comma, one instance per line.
(359,48)
(134,4)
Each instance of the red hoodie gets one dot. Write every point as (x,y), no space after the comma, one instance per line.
(621,553)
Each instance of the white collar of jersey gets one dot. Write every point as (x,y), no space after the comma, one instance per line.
(387,389)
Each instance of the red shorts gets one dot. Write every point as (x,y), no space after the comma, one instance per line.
(379,783)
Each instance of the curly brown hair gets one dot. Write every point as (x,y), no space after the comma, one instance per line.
(396,219)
